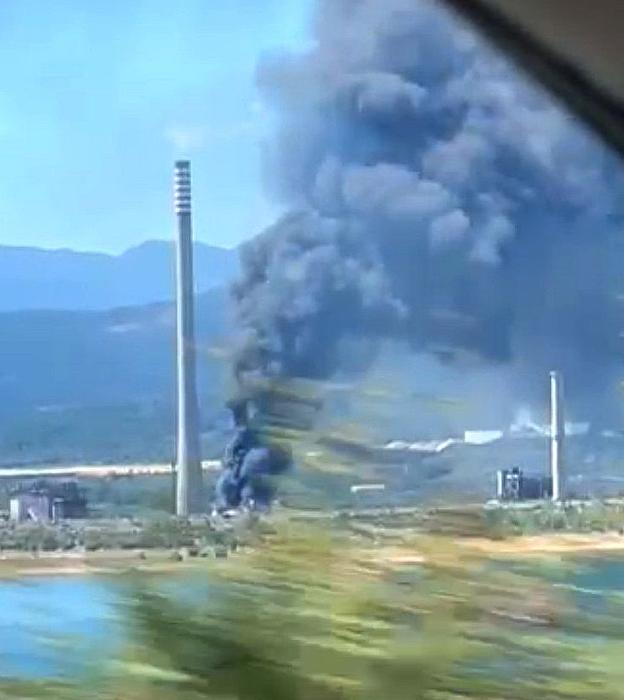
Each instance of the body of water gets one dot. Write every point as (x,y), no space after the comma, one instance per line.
(55,626)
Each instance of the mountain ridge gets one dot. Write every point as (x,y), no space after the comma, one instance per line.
(69,280)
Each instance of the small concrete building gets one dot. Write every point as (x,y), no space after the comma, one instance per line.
(30,505)
(44,502)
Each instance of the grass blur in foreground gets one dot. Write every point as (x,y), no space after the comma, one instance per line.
(313,614)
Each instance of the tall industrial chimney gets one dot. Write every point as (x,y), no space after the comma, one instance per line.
(189,489)
(557,435)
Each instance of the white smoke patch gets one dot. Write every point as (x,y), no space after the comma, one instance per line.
(454,161)
(450,228)
(186,139)
(495,232)
(390,190)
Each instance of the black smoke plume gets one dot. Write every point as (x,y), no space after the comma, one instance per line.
(434,197)
(251,461)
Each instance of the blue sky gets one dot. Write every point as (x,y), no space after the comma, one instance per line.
(97,98)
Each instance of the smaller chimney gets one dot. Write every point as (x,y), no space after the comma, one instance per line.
(557,435)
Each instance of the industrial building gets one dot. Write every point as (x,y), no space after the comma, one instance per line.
(43,502)
(515,485)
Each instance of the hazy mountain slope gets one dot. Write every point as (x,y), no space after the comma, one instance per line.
(33,278)
(70,357)
(99,385)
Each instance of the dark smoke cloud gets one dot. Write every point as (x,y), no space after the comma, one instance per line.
(435,198)
(251,462)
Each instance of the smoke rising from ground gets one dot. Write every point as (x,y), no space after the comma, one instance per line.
(435,198)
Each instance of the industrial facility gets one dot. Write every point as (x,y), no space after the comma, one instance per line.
(514,485)
(254,462)
(43,502)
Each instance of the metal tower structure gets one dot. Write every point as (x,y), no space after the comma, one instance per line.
(189,486)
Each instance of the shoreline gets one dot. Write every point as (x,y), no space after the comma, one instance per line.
(560,543)
(17,564)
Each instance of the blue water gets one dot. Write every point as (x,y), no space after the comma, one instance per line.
(55,626)
(600,575)
(62,626)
